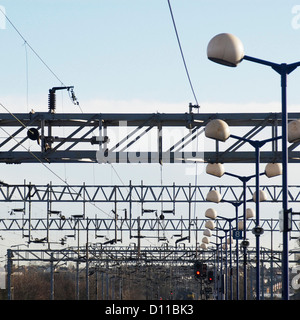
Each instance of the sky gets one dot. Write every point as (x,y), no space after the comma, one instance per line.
(123,56)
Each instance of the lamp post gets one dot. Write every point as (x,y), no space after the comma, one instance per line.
(228,50)
(219,130)
(212,214)
(271,170)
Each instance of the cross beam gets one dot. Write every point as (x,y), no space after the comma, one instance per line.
(136,193)
(134,138)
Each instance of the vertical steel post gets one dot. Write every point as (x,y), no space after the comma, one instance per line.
(87,287)
(271,263)
(51,278)
(190,209)
(230,261)
(257,154)
(285,258)
(130,209)
(244,238)
(226,267)
(237,253)
(9,265)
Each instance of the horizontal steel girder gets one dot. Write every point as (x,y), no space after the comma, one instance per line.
(117,138)
(148,226)
(140,193)
(182,255)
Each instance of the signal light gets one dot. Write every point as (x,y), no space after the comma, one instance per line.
(198,269)
(210,276)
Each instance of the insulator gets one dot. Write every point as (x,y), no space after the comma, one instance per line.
(51,101)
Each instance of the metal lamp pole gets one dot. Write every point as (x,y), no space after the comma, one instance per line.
(257,145)
(228,50)
(283,69)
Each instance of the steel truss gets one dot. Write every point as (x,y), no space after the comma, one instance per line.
(112,255)
(136,193)
(147,220)
(180,225)
(149,198)
(111,260)
(116,138)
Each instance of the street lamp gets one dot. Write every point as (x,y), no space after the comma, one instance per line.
(212,215)
(217,169)
(225,49)
(271,170)
(228,50)
(213,196)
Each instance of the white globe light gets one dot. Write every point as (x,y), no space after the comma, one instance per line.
(249,213)
(273,170)
(210,225)
(262,196)
(203,246)
(217,129)
(213,196)
(211,213)
(225,49)
(294,131)
(215,169)
(205,240)
(207,233)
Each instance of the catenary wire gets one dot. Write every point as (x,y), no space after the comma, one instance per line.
(31,48)
(182,55)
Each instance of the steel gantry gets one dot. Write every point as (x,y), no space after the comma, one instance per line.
(122,261)
(131,254)
(148,216)
(133,138)
(49,137)
(135,193)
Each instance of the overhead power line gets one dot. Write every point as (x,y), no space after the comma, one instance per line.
(31,48)
(182,55)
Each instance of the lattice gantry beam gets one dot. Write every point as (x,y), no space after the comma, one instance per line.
(147,226)
(135,138)
(137,193)
(129,254)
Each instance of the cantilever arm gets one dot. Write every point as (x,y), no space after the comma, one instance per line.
(260,61)
(288,68)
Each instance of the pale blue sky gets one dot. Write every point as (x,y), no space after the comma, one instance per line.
(125,54)
(126,50)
